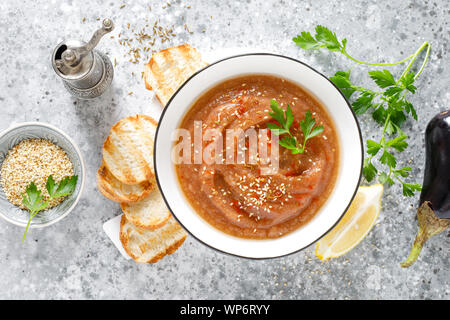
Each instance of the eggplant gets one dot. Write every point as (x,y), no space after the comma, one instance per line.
(433,214)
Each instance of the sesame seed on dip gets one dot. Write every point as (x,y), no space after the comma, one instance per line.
(33,160)
(237,197)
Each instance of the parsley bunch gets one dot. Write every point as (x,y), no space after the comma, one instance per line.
(388,105)
(285,119)
(33,200)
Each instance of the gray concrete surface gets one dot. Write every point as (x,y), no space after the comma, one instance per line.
(75,259)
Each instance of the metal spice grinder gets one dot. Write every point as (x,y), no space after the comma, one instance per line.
(86,72)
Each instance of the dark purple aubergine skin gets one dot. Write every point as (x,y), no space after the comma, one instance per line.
(436,183)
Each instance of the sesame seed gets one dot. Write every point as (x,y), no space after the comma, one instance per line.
(33,160)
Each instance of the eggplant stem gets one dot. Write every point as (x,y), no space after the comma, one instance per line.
(416,249)
(429,225)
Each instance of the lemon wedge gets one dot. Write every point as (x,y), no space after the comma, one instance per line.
(354,225)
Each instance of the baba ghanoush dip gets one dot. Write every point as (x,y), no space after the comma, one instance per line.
(237,198)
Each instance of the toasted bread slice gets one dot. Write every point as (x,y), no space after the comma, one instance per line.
(145,245)
(117,191)
(128,150)
(149,213)
(169,68)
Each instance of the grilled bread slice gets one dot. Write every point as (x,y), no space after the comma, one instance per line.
(128,150)
(149,213)
(169,68)
(117,191)
(149,246)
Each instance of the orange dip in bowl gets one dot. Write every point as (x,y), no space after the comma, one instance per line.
(237,198)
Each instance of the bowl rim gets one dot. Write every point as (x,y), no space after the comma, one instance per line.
(244,55)
(83,170)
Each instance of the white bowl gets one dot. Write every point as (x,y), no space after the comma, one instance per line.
(29,130)
(350,162)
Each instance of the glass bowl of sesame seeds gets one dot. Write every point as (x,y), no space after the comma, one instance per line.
(33,151)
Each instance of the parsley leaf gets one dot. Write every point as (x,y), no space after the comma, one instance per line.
(398,143)
(308,129)
(285,119)
(363,103)
(328,38)
(369,170)
(410,188)
(403,172)
(410,109)
(342,80)
(276,129)
(66,187)
(407,82)
(388,158)
(383,78)
(306,41)
(289,117)
(385,178)
(33,200)
(277,113)
(393,92)
(51,185)
(289,143)
(324,38)
(373,147)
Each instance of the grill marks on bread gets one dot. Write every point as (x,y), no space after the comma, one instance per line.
(128,150)
(117,191)
(168,69)
(149,246)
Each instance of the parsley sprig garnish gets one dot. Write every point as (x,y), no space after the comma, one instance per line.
(388,104)
(33,199)
(285,119)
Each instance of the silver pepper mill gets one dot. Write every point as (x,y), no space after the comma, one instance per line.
(86,72)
